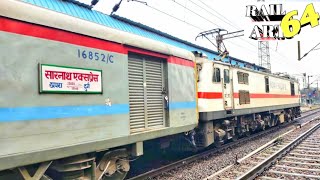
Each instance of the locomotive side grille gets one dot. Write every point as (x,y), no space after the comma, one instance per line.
(136,94)
(146,101)
(154,83)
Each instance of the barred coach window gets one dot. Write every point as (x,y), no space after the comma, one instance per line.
(243,78)
(240,77)
(216,75)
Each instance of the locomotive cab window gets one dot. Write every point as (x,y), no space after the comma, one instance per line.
(292,89)
(226,76)
(199,67)
(216,75)
(243,78)
(267,84)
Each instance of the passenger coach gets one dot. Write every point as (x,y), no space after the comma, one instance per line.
(78,95)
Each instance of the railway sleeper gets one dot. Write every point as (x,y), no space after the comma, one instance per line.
(286,174)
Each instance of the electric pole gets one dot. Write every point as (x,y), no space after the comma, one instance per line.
(308,90)
(309,81)
(264,55)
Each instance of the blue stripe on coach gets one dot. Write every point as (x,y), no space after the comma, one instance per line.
(52,112)
(182,105)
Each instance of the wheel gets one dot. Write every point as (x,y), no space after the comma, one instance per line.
(115,176)
(218,143)
(113,165)
(247,133)
(234,139)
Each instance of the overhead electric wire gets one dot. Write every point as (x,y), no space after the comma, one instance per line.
(230,22)
(223,20)
(200,16)
(219,14)
(203,18)
(175,17)
(195,13)
(213,15)
(172,16)
(233,26)
(237,28)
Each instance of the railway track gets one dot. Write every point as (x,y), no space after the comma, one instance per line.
(183,162)
(301,161)
(281,151)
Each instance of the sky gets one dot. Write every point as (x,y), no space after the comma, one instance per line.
(229,15)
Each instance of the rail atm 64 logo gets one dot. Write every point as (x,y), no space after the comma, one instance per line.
(289,25)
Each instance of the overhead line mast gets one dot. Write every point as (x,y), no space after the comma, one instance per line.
(264,55)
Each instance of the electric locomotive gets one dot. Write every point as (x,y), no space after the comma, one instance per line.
(235,101)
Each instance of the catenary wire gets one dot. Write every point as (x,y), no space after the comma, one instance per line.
(208,19)
(175,17)
(229,23)
(206,5)
(202,17)
(192,25)
(201,28)
(171,16)
(195,13)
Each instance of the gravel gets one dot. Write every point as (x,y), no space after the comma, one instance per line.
(204,167)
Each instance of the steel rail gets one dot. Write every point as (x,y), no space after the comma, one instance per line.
(260,168)
(182,162)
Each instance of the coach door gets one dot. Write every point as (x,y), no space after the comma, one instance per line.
(227,88)
(147,92)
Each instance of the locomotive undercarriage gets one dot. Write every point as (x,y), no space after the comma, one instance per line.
(219,131)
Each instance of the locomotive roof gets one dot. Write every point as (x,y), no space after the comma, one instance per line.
(248,69)
(74,8)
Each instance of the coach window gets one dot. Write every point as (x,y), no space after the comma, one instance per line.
(292,89)
(267,84)
(245,78)
(216,75)
(226,76)
(240,77)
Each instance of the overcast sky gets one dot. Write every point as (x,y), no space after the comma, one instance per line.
(229,15)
